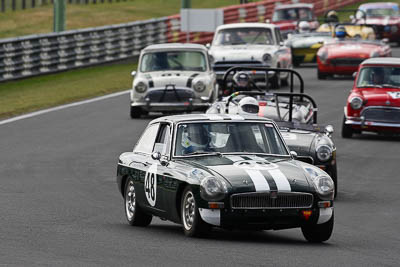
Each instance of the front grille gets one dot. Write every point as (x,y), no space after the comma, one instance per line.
(389,115)
(346,61)
(162,95)
(271,200)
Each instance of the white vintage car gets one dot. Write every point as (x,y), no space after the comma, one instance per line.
(250,44)
(172,77)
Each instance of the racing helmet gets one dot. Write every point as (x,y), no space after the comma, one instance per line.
(195,135)
(248,105)
(304,26)
(241,79)
(332,16)
(340,32)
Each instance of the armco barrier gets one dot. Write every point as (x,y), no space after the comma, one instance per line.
(47,53)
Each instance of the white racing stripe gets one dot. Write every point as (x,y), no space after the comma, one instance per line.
(234,158)
(280,179)
(259,181)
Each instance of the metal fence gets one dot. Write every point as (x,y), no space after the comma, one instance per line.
(46,53)
(13,5)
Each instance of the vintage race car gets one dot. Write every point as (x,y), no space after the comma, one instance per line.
(344,56)
(227,171)
(172,77)
(250,44)
(384,17)
(374,102)
(286,17)
(304,46)
(295,115)
(354,28)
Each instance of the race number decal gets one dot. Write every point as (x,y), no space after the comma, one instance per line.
(150,185)
(394,95)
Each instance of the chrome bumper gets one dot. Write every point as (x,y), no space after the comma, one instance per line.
(171,106)
(371,123)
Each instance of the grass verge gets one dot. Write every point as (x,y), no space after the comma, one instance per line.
(22,96)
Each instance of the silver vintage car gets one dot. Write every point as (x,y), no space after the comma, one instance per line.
(250,45)
(172,77)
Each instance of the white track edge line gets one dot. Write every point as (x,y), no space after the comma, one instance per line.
(40,112)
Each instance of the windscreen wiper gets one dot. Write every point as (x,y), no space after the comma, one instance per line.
(205,153)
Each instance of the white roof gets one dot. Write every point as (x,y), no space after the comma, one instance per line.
(298,5)
(382,61)
(177,46)
(246,25)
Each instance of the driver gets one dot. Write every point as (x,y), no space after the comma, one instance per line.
(246,106)
(340,32)
(377,76)
(195,138)
(332,17)
(304,27)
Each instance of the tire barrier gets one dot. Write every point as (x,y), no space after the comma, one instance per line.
(48,53)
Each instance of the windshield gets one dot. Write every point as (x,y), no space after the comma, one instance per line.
(240,36)
(173,60)
(228,137)
(292,14)
(380,12)
(387,76)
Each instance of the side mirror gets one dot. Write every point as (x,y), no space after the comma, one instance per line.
(385,40)
(329,130)
(267,21)
(208,45)
(354,75)
(293,154)
(156,155)
(133,74)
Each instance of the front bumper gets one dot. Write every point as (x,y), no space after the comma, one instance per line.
(373,126)
(171,106)
(334,69)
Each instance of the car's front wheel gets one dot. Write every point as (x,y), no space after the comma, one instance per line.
(193,225)
(134,214)
(317,233)
(347,131)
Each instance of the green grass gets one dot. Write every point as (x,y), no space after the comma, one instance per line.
(40,19)
(18,97)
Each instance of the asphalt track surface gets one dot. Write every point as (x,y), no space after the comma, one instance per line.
(60,204)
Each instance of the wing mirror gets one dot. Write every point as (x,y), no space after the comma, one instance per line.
(329,130)
(157,156)
(354,75)
(208,45)
(133,74)
(293,154)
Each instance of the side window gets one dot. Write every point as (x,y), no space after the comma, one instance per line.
(278,36)
(147,139)
(162,144)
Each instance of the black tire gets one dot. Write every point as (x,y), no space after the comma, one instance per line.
(136,112)
(276,81)
(317,233)
(134,215)
(321,75)
(347,131)
(197,227)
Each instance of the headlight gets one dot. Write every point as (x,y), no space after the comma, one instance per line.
(324,152)
(199,86)
(374,54)
(141,87)
(324,185)
(323,55)
(356,102)
(213,189)
(267,58)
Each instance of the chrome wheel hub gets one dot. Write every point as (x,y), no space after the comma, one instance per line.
(130,201)
(189,208)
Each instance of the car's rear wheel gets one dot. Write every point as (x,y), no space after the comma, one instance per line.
(134,214)
(347,131)
(193,225)
(321,75)
(136,112)
(317,233)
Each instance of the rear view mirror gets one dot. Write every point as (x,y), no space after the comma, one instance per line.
(208,45)
(156,155)
(293,154)
(354,75)
(133,74)
(329,130)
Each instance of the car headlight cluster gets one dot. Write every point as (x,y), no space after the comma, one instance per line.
(356,102)
(324,185)
(141,87)
(199,86)
(324,152)
(212,188)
